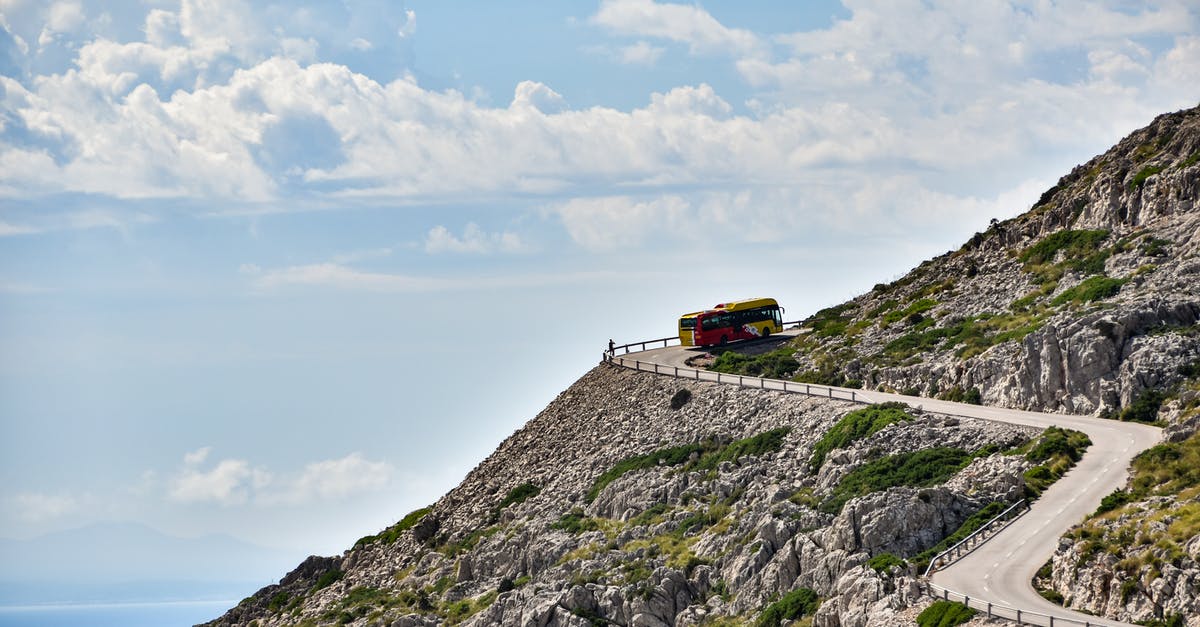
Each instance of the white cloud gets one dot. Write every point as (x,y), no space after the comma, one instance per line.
(641,53)
(34,507)
(338,478)
(196,457)
(614,222)
(229,482)
(8,230)
(473,240)
(681,23)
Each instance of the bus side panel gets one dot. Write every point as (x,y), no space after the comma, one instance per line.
(687,337)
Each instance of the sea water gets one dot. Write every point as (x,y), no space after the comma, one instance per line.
(158,614)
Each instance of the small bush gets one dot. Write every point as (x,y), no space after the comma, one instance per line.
(945,614)
(328,578)
(1076,244)
(1117,499)
(884,562)
(855,426)
(278,601)
(1139,179)
(918,469)
(681,398)
(519,494)
(777,364)
(795,604)
(1145,407)
(959,394)
(391,534)
(576,522)
(709,456)
(1091,289)
(1053,596)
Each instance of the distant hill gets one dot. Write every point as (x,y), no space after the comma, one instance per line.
(131,562)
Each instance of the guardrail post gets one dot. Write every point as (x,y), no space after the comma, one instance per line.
(676,372)
(1019,617)
(989,609)
(739,380)
(830,392)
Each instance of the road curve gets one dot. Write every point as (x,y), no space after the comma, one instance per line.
(1000,570)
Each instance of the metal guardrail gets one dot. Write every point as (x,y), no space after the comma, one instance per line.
(995,610)
(776,385)
(977,537)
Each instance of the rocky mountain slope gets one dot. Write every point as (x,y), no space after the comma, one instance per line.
(1088,303)
(614,506)
(636,499)
(1079,305)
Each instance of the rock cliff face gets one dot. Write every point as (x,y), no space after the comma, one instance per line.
(1079,305)
(719,528)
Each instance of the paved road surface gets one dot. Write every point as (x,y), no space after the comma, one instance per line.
(1000,570)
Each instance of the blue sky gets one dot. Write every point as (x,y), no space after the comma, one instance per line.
(287,271)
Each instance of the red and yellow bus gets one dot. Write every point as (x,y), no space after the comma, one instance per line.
(735,320)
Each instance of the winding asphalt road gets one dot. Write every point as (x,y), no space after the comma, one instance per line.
(1000,570)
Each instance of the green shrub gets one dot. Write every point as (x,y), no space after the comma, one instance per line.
(918,469)
(575,522)
(1058,441)
(328,578)
(648,516)
(795,604)
(1077,244)
(709,456)
(831,321)
(1057,450)
(1145,407)
(766,442)
(1053,596)
(945,614)
(278,601)
(1091,289)
(1174,620)
(681,398)
(1139,179)
(959,394)
(884,562)
(1114,500)
(777,364)
(855,426)
(391,534)
(519,494)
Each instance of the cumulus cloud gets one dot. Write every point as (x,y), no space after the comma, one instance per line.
(229,482)
(337,478)
(217,104)
(35,507)
(473,240)
(687,24)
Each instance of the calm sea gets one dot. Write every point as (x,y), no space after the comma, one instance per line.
(162,614)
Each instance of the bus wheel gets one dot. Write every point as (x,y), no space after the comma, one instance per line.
(766,332)
(724,340)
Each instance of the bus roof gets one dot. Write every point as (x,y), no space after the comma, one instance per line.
(691,315)
(751,303)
